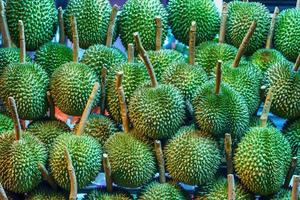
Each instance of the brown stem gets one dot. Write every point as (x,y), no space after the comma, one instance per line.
(297,64)
(228,151)
(223,23)
(192,43)
(111,25)
(62,35)
(244,44)
(145,58)
(272,28)
(218,77)
(266,108)
(15,117)
(75,38)
(2,193)
(158,34)
(230,187)
(46,176)
(4,28)
(72,176)
(51,105)
(295,191)
(123,109)
(88,109)
(130,53)
(103,92)
(119,78)
(290,172)
(107,171)
(160,161)
(22,42)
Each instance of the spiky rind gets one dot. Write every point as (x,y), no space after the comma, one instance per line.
(262,159)
(157,112)
(6,123)
(282,195)
(256,122)
(19,170)
(203,12)
(70,87)
(46,193)
(50,56)
(39,18)
(98,194)
(240,17)
(291,130)
(85,154)
(28,84)
(132,162)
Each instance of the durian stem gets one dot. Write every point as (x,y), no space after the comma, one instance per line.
(88,109)
(298,4)
(290,173)
(218,77)
(295,192)
(4,28)
(223,23)
(111,25)
(51,105)
(297,64)
(62,35)
(72,176)
(15,117)
(75,38)
(244,44)
(103,92)
(130,53)
(145,58)
(119,78)
(192,43)
(228,151)
(107,171)
(230,187)
(46,176)
(22,42)
(272,28)
(158,34)
(266,109)
(2,193)
(246,1)
(160,161)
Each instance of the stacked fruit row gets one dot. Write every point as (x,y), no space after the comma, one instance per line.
(167,114)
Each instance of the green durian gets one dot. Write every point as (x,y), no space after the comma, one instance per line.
(46,193)
(101,195)
(283,194)
(39,18)
(70,87)
(203,12)
(51,56)
(6,123)
(255,122)
(240,16)
(132,161)
(291,130)
(262,160)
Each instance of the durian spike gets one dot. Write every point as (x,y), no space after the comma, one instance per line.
(228,151)
(72,176)
(297,63)
(107,171)
(111,25)
(2,193)
(290,173)
(130,53)
(230,187)
(74,38)
(145,59)
(51,105)
(22,42)
(160,160)
(158,34)
(46,176)
(88,109)
(218,77)
(223,23)
(4,28)
(295,191)
(15,117)
(192,43)
(298,4)
(103,93)
(272,28)
(266,108)
(244,44)
(62,35)
(122,102)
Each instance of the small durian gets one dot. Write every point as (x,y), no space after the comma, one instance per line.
(6,123)
(43,192)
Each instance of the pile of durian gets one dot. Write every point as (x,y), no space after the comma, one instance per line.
(167,121)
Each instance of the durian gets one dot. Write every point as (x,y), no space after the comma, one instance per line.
(98,194)
(45,193)
(6,123)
